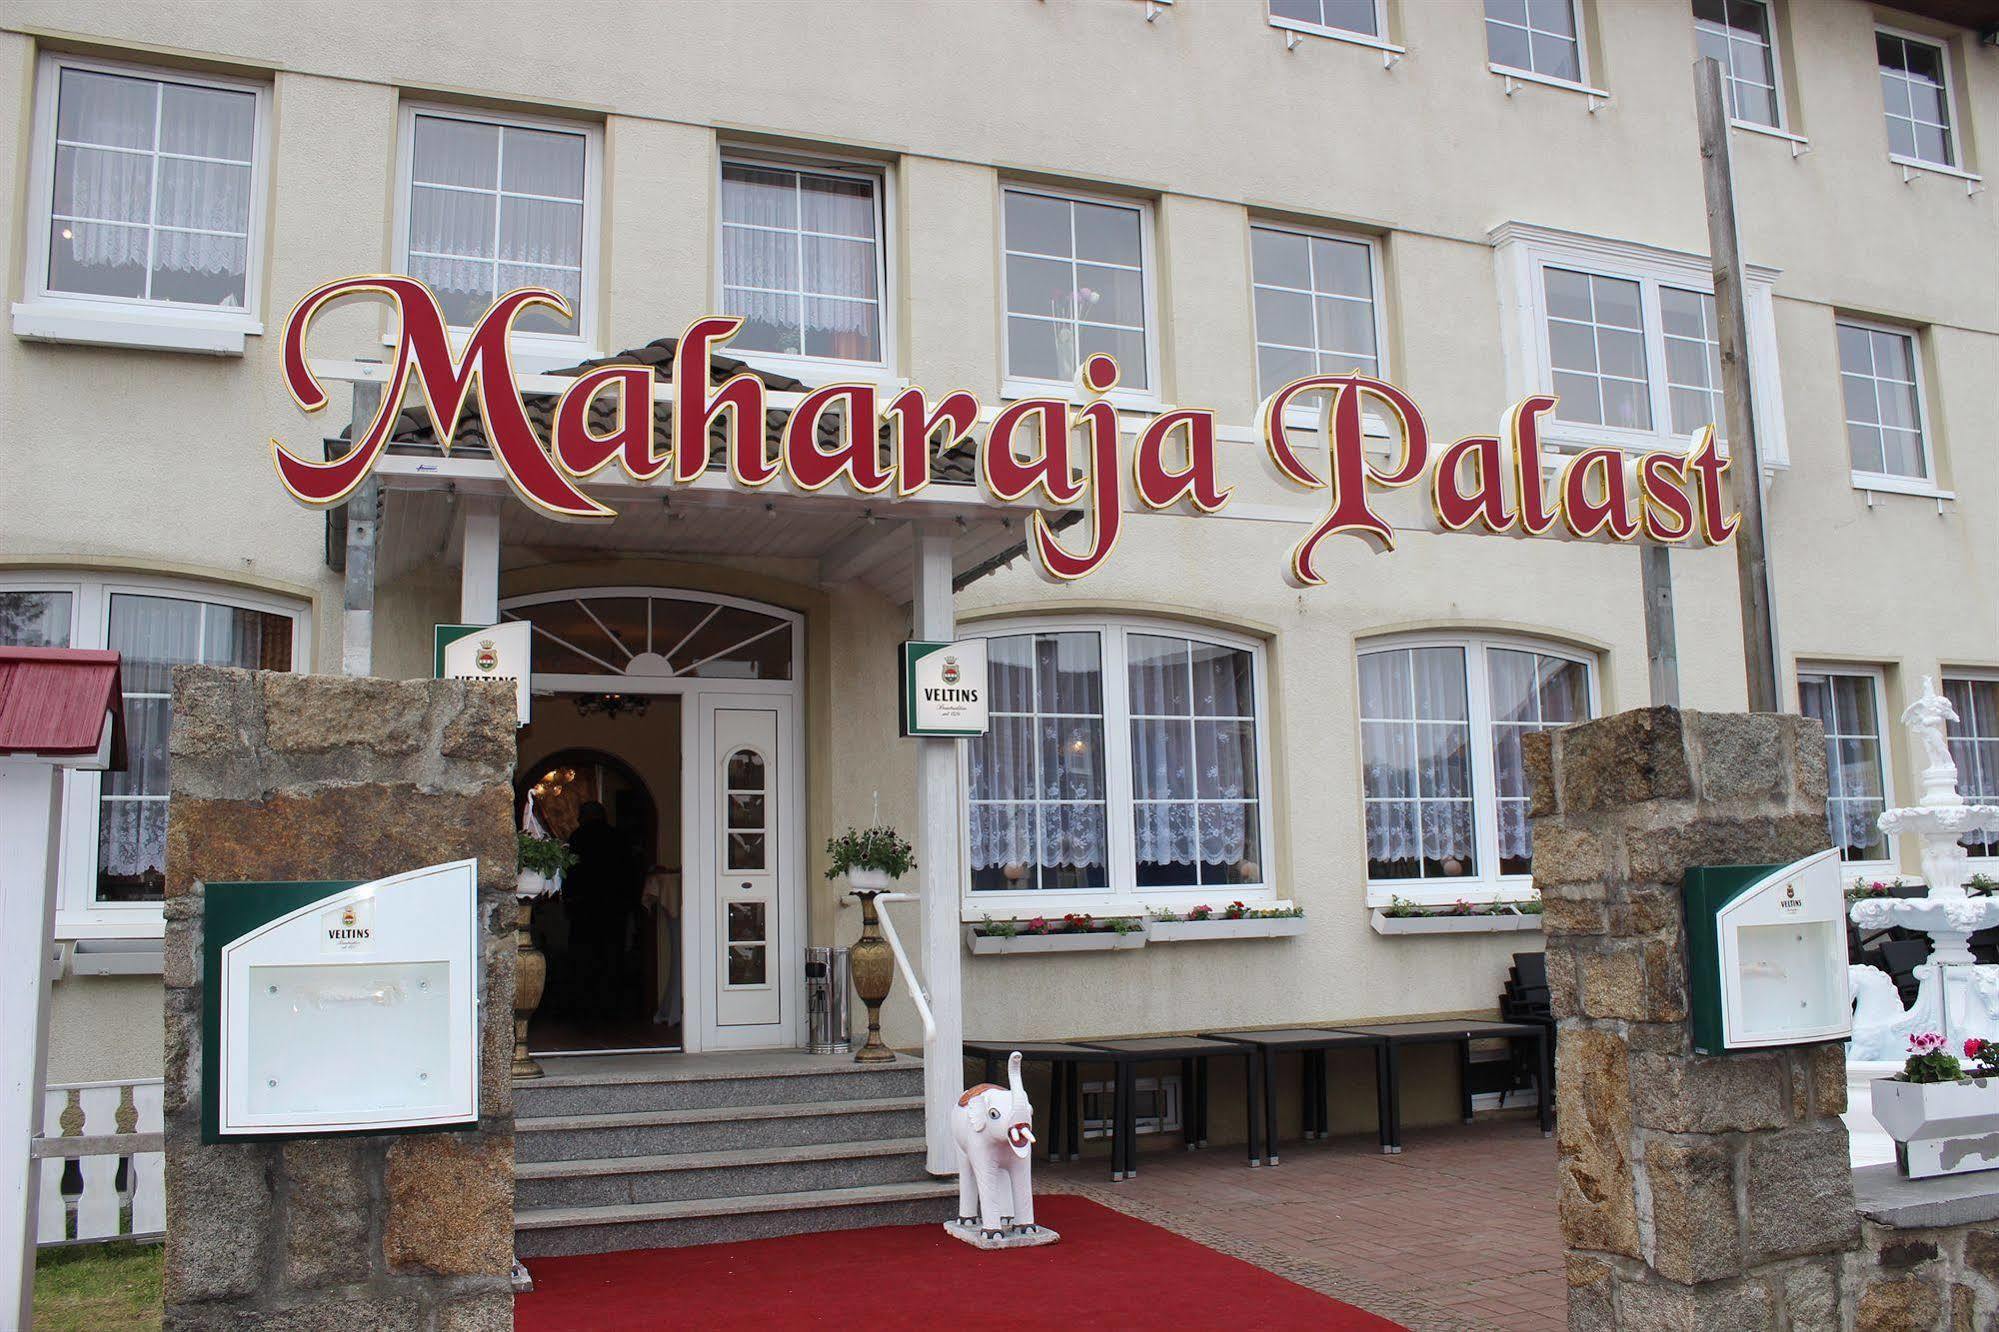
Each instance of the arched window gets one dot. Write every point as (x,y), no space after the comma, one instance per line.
(1444,791)
(1123,757)
(631,631)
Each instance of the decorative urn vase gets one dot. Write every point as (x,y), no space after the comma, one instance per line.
(530,967)
(1940,1128)
(873,964)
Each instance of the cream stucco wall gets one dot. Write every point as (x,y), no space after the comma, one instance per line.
(128,459)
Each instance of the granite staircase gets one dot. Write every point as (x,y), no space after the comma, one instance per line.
(643,1152)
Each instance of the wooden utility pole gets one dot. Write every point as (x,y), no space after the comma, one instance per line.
(1759,635)
(1662,651)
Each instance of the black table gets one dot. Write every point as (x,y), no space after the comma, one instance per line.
(1395,1036)
(1193,1054)
(1065,1087)
(1311,1044)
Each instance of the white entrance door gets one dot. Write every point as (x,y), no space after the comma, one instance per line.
(751,880)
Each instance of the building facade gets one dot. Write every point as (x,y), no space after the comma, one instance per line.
(1475,205)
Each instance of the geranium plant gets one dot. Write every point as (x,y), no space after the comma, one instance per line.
(1928,1061)
(543,855)
(880,848)
(1983,1056)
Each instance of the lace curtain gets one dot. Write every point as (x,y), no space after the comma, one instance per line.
(1193,752)
(115,229)
(1416,755)
(799,261)
(1845,706)
(1037,775)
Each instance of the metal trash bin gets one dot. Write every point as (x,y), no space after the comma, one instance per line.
(829,982)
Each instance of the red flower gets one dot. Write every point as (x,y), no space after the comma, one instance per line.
(1973,1048)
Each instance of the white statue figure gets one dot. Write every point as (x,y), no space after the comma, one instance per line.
(1927,719)
(995,1134)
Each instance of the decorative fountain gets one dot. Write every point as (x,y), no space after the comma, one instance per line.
(1955,996)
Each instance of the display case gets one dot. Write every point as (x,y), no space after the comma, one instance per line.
(342,1007)
(1766,950)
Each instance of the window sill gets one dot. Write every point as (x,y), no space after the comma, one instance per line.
(1513,76)
(817,373)
(1881,483)
(1367,40)
(1429,895)
(1440,924)
(112,925)
(530,353)
(1912,164)
(1125,400)
(1103,903)
(1770,132)
(148,329)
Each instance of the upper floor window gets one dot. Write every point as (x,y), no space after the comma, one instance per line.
(1915,93)
(147,194)
(1628,338)
(1848,703)
(802,260)
(1316,306)
(493,203)
(1974,746)
(1122,757)
(1335,17)
(1882,388)
(1078,282)
(1443,784)
(113,857)
(1737,33)
(1535,37)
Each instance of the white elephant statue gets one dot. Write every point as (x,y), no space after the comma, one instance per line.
(994,1129)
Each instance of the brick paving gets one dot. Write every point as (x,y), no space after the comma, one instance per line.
(1458,1232)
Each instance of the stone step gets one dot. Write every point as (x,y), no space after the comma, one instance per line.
(701,1085)
(715,1128)
(547,1231)
(684,1176)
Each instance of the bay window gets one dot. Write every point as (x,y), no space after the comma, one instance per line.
(1847,701)
(113,856)
(1123,759)
(146,204)
(491,203)
(1974,746)
(1444,790)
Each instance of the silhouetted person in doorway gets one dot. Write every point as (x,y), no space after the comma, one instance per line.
(595,893)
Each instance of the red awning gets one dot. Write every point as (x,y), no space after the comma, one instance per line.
(53,702)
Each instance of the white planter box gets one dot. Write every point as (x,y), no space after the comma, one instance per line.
(1940,1128)
(1181,931)
(1387,924)
(1105,941)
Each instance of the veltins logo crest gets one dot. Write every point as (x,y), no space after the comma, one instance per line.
(951,672)
(488,659)
(347,916)
(1790,902)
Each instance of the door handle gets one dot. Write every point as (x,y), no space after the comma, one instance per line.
(746,885)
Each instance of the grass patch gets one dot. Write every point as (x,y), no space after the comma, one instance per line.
(99,1288)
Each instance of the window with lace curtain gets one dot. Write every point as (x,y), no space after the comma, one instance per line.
(1123,758)
(1847,701)
(492,203)
(1974,747)
(802,259)
(1443,786)
(148,188)
(115,823)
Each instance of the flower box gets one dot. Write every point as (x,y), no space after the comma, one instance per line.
(1094,942)
(1181,931)
(1940,1128)
(1443,924)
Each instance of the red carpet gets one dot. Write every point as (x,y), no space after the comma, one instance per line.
(1109,1271)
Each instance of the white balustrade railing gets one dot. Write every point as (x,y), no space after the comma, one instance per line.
(908,971)
(107,1139)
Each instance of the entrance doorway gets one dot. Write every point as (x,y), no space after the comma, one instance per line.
(684,705)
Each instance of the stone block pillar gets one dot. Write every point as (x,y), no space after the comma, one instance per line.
(1695,1191)
(303,777)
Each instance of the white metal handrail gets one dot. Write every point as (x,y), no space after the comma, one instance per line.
(908,971)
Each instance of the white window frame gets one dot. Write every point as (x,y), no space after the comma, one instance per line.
(532,352)
(1121,896)
(1377,40)
(1955,166)
(130,321)
(1782,128)
(79,915)
(1585,84)
(1891,865)
(1894,482)
(1522,251)
(1305,414)
(818,370)
(1979,864)
(1021,386)
(1489,885)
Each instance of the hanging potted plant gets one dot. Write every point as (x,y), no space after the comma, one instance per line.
(543,862)
(871,858)
(540,863)
(1941,1114)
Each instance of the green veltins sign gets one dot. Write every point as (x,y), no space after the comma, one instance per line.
(944,688)
(1766,954)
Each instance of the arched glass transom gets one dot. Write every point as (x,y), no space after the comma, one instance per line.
(632,632)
